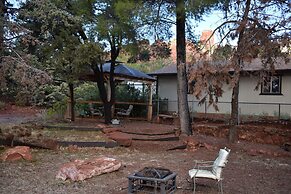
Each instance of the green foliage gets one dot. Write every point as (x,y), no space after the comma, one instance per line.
(9,92)
(116,23)
(284,115)
(222,52)
(131,93)
(50,94)
(160,49)
(87,91)
(89,55)
(128,93)
(57,111)
(23,98)
(143,51)
(2,105)
(151,66)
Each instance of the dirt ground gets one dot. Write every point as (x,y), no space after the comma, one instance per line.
(252,167)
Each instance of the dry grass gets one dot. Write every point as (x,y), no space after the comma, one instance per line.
(71,135)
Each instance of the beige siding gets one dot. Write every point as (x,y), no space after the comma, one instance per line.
(168,89)
(248,94)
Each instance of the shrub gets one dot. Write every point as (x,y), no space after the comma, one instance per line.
(23,98)
(49,94)
(87,91)
(58,110)
(2,105)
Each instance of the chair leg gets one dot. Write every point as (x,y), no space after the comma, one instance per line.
(220,186)
(194,185)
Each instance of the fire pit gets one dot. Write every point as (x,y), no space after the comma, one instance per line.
(152,179)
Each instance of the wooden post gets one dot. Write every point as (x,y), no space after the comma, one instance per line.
(72,107)
(150,103)
(68,111)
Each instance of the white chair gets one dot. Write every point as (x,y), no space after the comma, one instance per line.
(210,169)
(95,112)
(125,112)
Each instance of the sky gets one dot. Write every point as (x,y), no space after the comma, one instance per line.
(209,22)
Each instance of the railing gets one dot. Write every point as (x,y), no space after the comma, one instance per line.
(83,107)
(247,110)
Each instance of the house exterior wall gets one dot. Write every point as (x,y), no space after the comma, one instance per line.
(168,89)
(251,101)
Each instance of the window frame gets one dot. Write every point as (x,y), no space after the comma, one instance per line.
(270,82)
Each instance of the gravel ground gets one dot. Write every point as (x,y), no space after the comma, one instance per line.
(243,174)
(262,173)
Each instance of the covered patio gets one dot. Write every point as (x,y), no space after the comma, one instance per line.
(122,74)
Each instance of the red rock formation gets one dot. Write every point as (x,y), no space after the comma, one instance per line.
(17,153)
(207,40)
(80,170)
(121,138)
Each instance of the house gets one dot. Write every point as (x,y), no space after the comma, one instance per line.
(273,98)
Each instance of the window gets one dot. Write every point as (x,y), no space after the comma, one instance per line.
(271,85)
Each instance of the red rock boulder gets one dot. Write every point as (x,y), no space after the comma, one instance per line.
(80,170)
(111,130)
(17,153)
(121,138)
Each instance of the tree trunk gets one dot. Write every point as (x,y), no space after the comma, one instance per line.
(104,97)
(107,112)
(71,88)
(103,93)
(181,69)
(112,86)
(233,136)
(2,10)
(238,62)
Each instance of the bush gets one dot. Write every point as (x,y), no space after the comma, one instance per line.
(58,110)
(87,91)
(129,93)
(23,98)
(49,94)
(2,105)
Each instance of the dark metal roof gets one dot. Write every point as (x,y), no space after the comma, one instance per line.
(170,69)
(124,71)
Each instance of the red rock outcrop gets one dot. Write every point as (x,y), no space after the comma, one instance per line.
(80,170)
(121,138)
(17,153)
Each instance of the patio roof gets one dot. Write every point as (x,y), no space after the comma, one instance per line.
(121,73)
(121,70)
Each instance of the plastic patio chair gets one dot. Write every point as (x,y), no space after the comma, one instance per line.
(210,169)
(95,112)
(125,112)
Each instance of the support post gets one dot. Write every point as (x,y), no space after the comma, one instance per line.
(279,114)
(72,107)
(150,103)
(68,110)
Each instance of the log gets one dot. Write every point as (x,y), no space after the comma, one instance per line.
(33,143)
(157,139)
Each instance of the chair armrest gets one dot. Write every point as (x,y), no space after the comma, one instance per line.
(204,166)
(202,163)
(120,110)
